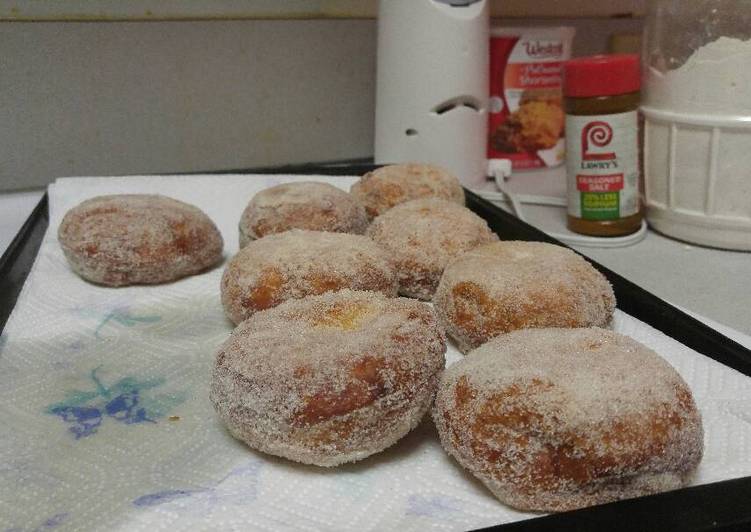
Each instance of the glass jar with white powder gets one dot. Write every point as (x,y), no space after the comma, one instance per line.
(696,65)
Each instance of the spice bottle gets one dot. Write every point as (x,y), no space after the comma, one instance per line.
(602,144)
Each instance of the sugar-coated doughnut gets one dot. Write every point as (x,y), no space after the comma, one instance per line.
(387,186)
(422,236)
(329,379)
(504,286)
(301,205)
(138,239)
(558,419)
(298,263)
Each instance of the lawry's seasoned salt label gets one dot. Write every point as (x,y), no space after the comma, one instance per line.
(602,166)
(526,118)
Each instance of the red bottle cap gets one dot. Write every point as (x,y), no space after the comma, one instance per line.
(601,75)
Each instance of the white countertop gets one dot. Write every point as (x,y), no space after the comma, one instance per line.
(710,282)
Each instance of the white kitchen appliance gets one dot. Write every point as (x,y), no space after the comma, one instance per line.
(432,85)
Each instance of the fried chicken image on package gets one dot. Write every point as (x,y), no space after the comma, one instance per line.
(536,125)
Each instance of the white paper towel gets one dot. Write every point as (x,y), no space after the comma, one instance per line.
(107,424)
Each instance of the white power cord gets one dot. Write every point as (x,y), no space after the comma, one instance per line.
(500,169)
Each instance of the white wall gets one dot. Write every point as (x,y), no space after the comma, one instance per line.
(254,9)
(136,97)
(103,98)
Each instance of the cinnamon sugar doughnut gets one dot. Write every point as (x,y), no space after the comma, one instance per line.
(559,419)
(387,186)
(329,379)
(302,205)
(138,239)
(298,263)
(501,287)
(422,236)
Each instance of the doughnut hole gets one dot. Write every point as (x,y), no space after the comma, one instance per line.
(329,379)
(505,286)
(422,236)
(297,263)
(558,419)
(383,188)
(128,239)
(305,205)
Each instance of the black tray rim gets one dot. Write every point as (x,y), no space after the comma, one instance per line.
(722,506)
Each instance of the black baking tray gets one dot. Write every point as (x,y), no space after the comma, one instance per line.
(722,506)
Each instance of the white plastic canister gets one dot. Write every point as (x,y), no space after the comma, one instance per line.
(697,121)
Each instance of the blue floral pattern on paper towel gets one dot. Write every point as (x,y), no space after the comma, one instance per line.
(123,316)
(48,524)
(119,314)
(202,500)
(125,402)
(437,506)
